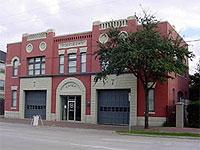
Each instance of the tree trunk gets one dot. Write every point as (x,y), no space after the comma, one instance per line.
(146,115)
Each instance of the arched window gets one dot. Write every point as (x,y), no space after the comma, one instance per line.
(173,96)
(15,67)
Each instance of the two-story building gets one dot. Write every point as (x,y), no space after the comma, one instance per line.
(2,79)
(53,76)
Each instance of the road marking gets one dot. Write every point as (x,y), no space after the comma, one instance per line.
(97,147)
(137,142)
(127,141)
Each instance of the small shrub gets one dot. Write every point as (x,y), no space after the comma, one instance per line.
(194,114)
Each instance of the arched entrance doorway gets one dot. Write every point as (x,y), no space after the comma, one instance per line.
(70,100)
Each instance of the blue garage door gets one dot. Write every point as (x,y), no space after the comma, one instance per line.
(113,107)
(35,104)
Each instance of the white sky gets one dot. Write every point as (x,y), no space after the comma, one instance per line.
(69,16)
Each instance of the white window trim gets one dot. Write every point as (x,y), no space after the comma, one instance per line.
(13,59)
(72,51)
(83,49)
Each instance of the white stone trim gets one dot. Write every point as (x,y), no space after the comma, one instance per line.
(14,43)
(72,50)
(114,23)
(123,34)
(96,23)
(150,84)
(36,36)
(151,113)
(130,18)
(9,65)
(41,46)
(72,44)
(83,49)
(61,52)
(76,34)
(50,30)
(70,86)
(40,83)
(125,81)
(15,58)
(29,48)
(14,87)
(25,35)
(153,121)
(103,38)
(11,114)
(13,108)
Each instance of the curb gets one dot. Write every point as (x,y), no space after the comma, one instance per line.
(160,136)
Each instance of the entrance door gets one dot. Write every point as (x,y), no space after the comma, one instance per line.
(71,110)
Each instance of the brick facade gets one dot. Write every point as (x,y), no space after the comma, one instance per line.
(77,43)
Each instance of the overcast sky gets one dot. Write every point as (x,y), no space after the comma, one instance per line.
(69,16)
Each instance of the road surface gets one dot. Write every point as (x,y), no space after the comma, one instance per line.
(26,137)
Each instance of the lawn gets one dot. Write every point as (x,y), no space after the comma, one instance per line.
(157,133)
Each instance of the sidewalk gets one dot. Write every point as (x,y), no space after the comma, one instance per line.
(101,127)
(68,124)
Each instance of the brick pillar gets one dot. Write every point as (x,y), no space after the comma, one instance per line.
(180,115)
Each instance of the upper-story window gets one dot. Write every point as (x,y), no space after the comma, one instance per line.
(61,63)
(2,67)
(83,62)
(2,82)
(36,66)
(72,63)
(15,67)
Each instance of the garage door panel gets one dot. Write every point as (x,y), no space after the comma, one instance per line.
(35,104)
(113,106)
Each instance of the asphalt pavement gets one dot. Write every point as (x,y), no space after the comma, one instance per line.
(26,137)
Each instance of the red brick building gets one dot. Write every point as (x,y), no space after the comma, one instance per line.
(52,76)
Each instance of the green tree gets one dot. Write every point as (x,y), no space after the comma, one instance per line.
(145,53)
(194,86)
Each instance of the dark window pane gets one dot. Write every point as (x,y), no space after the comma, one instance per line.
(105,108)
(113,109)
(109,108)
(101,108)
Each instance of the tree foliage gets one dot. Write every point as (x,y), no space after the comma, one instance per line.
(194,86)
(145,53)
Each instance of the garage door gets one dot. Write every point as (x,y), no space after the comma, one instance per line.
(35,104)
(113,107)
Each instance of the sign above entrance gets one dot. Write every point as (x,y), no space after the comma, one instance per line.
(72,44)
(70,86)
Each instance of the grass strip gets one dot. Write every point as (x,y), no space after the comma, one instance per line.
(159,133)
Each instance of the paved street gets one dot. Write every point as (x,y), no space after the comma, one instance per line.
(26,137)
